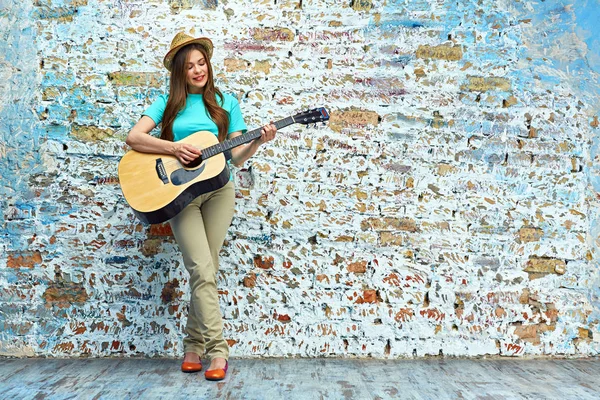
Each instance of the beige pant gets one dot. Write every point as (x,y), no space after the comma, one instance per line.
(200,230)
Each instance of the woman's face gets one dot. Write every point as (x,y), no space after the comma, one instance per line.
(197,72)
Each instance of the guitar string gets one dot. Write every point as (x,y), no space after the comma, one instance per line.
(176,160)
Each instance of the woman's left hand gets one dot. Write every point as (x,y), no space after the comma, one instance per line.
(267,133)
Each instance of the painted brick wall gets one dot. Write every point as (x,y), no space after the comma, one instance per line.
(448,208)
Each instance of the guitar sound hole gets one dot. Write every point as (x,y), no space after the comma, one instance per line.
(194,163)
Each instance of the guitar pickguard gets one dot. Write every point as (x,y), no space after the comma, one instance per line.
(182,176)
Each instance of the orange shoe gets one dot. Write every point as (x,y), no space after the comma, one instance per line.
(216,374)
(187,366)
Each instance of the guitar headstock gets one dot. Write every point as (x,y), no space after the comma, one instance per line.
(312,116)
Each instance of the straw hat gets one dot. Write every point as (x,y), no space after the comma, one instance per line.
(180,40)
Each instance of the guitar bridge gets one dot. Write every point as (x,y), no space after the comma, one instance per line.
(161,171)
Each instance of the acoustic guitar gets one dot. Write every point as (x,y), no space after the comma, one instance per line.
(158,186)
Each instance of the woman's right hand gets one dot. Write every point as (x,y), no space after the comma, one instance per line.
(186,153)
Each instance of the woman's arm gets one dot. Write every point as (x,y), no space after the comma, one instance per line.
(140,140)
(240,154)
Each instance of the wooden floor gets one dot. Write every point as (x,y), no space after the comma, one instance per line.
(302,379)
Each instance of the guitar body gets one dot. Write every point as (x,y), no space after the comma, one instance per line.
(158,187)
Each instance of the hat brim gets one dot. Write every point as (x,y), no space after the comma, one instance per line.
(204,42)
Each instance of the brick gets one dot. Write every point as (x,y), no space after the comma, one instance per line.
(389,223)
(91,133)
(390,239)
(64,294)
(49,3)
(64,347)
(438,121)
(551,312)
(272,35)
(432,314)
(151,247)
(250,281)
(178,5)
(171,292)
(51,93)
(24,259)
(361,5)
(445,169)
(404,315)
(545,266)
(526,331)
(585,334)
(352,118)
(151,79)
(511,101)
(160,230)
(19,329)
(484,84)
(527,235)
(500,312)
(282,317)
(323,278)
(106,180)
(543,328)
(393,280)
(368,296)
(264,262)
(359,267)
(443,52)
(262,66)
(59,14)
(235,64)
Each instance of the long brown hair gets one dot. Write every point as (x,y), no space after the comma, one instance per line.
(178,92)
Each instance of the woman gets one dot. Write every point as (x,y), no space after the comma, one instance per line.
(194,104)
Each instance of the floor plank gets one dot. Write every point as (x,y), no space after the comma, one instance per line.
(434,379)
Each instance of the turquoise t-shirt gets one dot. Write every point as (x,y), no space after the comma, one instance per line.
(194,117)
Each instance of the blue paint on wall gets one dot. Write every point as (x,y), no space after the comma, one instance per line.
(561,20)
(58,79)
(588,28)
(116,260)
(54,132)
(17,121)
(395,24)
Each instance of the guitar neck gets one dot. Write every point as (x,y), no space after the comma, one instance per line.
(239,140)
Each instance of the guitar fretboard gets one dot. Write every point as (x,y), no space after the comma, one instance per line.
(245,138)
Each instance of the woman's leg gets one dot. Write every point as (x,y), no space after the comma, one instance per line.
(188,229)
(217,211)
(200,230)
